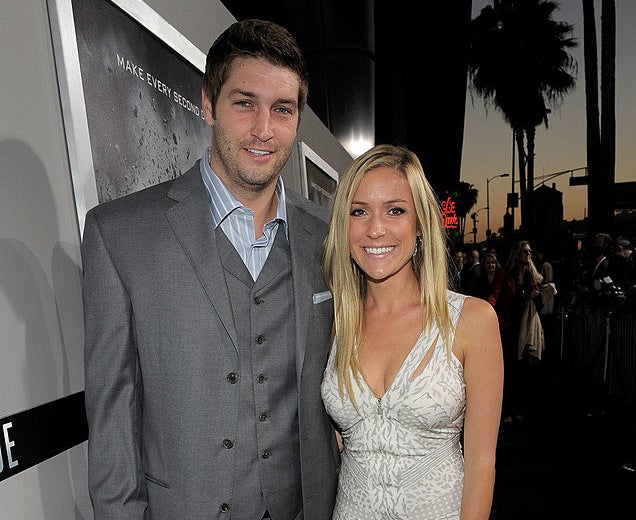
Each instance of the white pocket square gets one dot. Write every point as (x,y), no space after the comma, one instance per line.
(320,297)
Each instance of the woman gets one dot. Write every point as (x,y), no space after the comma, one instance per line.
(520,287)
(488,283)
(412,363)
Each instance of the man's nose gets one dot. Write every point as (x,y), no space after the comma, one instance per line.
(262,128)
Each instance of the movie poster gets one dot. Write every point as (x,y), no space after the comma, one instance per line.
(143,101)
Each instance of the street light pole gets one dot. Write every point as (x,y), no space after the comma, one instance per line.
(488,232)
(474,217)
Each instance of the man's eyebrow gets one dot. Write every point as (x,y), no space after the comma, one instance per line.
(250,94)
(240,92)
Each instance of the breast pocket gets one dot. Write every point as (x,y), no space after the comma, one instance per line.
(324,309)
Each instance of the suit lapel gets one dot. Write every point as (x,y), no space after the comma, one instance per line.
(302,247)
(191,222)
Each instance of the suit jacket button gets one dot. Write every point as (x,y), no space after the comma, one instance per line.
(232,378)
(260,339)
(258,300)
(225,508)
(227,443)
(266,454)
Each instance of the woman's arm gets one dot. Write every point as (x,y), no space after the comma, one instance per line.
(338,434)
(478,342)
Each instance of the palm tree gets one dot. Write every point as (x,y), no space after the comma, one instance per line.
(592,115)
(519,62)
(608,112)
(601,141)
(465,198)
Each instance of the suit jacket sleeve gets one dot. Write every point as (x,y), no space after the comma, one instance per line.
(113,386)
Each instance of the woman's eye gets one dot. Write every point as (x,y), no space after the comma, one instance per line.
(356,212)
(396,211)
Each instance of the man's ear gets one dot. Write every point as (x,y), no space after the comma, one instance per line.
(206,104)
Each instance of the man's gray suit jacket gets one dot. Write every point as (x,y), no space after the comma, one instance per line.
(161,357)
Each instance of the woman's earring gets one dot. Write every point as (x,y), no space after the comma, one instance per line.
(418,241)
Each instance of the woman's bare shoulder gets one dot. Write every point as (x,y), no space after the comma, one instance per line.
(476,310)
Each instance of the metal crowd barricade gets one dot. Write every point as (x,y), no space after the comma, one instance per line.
(600,337)
(622,363)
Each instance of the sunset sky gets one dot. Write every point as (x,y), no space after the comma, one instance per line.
(488,138)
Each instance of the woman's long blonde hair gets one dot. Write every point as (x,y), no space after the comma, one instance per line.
(347,281)
(512,263)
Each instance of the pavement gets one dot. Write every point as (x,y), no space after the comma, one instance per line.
(573,454)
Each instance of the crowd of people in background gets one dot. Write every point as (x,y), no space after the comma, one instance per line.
(527,286)
(601,271)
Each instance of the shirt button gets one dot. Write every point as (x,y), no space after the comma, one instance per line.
(260,339)
(266,454)
(258,300)
(227,443)
(225,508)
(261,379)
(232,378)
(262,417)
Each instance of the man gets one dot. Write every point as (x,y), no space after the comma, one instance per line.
(457,272)
(471,271)
(601,268)
(207,317)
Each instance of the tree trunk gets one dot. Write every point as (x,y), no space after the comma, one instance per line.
(593,134)
(530,228)
(521,157)
(608,112)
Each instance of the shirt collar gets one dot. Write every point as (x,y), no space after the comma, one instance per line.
(222,202)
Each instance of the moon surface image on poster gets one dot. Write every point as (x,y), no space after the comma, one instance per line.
(143,102)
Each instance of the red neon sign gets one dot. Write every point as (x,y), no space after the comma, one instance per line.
(449,214)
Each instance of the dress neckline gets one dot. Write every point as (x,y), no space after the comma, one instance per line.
(419,340)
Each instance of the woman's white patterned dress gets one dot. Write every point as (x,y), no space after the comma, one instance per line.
(402,457)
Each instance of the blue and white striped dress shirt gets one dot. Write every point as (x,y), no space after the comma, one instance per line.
(237,221)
